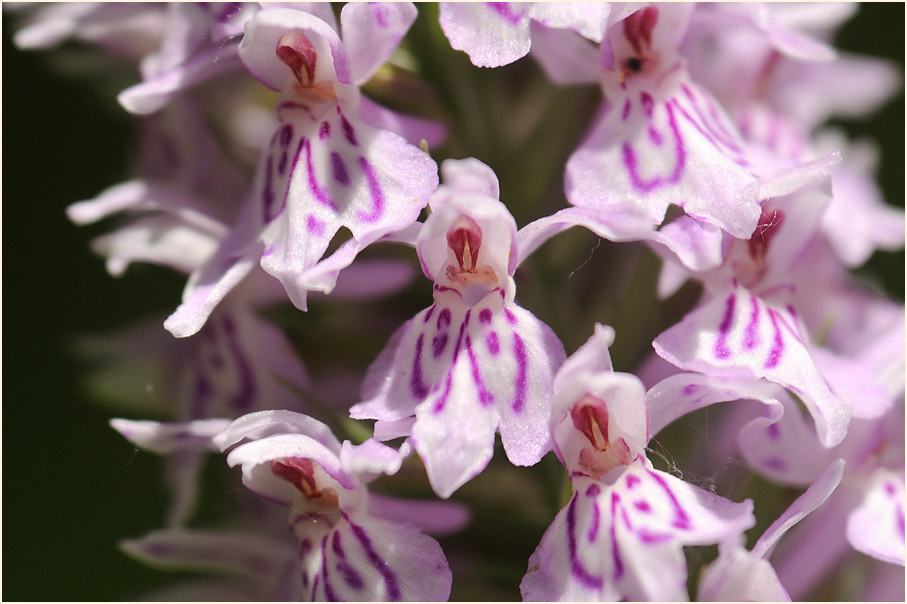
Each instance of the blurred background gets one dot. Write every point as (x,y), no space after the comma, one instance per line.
(74,487)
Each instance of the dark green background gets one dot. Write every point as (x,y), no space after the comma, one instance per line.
(72,486)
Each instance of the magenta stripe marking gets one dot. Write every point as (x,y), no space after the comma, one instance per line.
(428,315)
(900,514)
(681,520)
(320,194)
(774,355)
(289,180)
(632,481)
(485,397)
(329,594)
(267,195)
(325,130)
(629,159)
(350,575)
(615,549)
(576,566)
(503,10)
(390,580)
(752,335)
(714,125)
(292,105)
(374,190)
(511,318)
(417,385)
(643,506)
(338,169)
(439,405)
(592,492)
(721,349)
(519,350)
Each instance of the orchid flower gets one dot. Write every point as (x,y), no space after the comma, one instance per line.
(474,362)
(349,546)
(324,169)
(344,551)
(621,536)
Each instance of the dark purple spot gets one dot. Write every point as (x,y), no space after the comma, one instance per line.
(374,190)
(633,480)
(443,318)
(325,130)
(491,341)
(438,344)
(576,566)
(485,316)
(348,131)
(642,506)
(519,351)
(890,489)
(721,349)
(338,168)
(417,385)
(773,431)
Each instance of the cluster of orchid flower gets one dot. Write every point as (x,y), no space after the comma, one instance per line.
(708,147)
